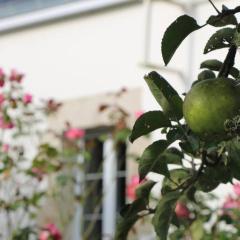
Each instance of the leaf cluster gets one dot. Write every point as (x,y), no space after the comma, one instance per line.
(188,163)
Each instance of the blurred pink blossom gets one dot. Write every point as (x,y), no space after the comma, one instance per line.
(15,76)
(2,76)
(27,98)
(231,203)
(182,211)
(5,125)
(74,133)
(44,235)
(50,232)
(5,147)
(132,186)
(2,99)
(236,188)
(138,114)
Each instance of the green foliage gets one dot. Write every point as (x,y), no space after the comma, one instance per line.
(221,20)
(166,96)
(197,231)
(151,160)
(143,191)
(164,214)
(198,165)
(175,34)
(216,65)
(206,74)
(128,217)
(146,124)
(221,39)
(234,156)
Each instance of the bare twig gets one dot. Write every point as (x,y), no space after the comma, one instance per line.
(214,6)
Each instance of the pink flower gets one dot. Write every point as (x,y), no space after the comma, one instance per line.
(5,148)
(5,124)
(2,99)
(2,74)
(74,133)
(182,211)
(131,187)
(236,188)
(44,235)
(27,98)
(231,203)
(50,231)
(15,76)
(138,114)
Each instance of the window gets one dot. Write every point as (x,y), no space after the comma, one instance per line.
(104,184)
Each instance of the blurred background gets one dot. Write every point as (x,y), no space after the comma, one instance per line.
(92,55)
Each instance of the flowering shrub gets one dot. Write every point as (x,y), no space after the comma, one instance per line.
(50,232)
(22,173)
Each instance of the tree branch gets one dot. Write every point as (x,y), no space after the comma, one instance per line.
(228,62)
(214,6)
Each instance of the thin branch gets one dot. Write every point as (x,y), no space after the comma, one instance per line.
(228,62)
(214,6)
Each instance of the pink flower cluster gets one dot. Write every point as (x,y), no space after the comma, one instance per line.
(5,147)
(50,232)
(74,133)
(16,76)
(233,202)
(182,211)
(27,98)
(131,187)
(5,124)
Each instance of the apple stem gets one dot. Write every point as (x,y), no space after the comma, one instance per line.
(228,62)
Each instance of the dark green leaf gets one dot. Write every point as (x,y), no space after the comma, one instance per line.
(191,145)
(215,65)
(172,156)
(175,134)
(212,64)
(147,123)
(164,213)
(175,220)
(129,216)
(191,194)
(226,218)
(206,74)
(208,181)
(166,95)
(143,191)
(150,161)
(220,21)
(237,38)
(175,34)
(177,177)
(221,39)
(234,157)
